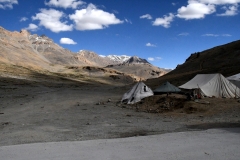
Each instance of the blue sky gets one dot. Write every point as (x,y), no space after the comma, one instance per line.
(163,32)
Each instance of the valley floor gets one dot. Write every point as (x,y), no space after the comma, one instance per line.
(32,112)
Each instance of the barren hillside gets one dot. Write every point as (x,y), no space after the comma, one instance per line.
(222,59)
(40,53)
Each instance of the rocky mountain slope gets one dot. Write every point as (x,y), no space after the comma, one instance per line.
(224,59)
(138,66)
(40,53)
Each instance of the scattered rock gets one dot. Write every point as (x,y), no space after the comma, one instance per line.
(5,123)
(99,103)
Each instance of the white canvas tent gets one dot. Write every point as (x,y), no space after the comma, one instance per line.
(213,85)
(136,93)
(235,79)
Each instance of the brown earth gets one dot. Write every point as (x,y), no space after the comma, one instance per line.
(67,110)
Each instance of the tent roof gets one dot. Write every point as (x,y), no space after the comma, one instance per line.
(136,93)
(213,85)
(167,87)
(235,77)
(198,81)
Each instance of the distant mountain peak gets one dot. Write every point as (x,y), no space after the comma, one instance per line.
(135,59)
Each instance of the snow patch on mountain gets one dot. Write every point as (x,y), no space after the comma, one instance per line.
(121,58)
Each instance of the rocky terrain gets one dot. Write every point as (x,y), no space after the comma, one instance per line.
(41,53)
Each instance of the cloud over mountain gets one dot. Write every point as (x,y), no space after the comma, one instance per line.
(32,27)
(92,18)
(51,19)
(67,41)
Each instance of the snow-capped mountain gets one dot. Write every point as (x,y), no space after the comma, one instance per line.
(136,59)
(119,59)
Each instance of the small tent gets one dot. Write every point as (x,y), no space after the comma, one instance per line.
(166,88)
(235,79)
(136,93)
(212,85)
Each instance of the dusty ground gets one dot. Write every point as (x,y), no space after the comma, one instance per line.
(49,112)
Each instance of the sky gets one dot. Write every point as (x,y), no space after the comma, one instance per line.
(165,33)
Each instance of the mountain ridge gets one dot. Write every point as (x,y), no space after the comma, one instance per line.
(41,53)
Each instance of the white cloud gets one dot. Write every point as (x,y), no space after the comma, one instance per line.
(23,19)
(229,11)
(67,41)
(219,2)
(226,35)
(7,4)
(147,16)
(32,27)
(150,45)
(165,21)
(216,35)
(92,18)
(195,10)
(65,3)
(128,21)
(183,34)
(151,59)
(154,58)
(50,19)
(210,35)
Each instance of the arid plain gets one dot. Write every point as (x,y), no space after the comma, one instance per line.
(51,111)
